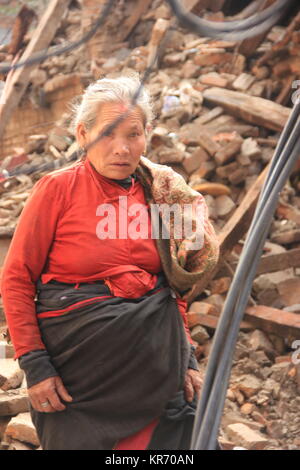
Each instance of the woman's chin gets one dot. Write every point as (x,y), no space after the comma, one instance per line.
(119,172)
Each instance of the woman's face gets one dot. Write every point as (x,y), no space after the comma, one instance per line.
(116,155)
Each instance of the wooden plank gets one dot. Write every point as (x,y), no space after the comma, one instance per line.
(142,7)
(213,5)
(274,321)
(20,28)
(41,39)
(285,94)
(158,32)
(288,212)
(272,263)
(211,321)
(238,224)
(190,4)
(258,111)
(249,46)
(139,10)
(234,230)
(281,43)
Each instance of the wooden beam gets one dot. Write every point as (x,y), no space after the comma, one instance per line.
(20,28)
(213,5)
(211,321)
(238,224)
(258,111)
(142,7)
(271,263)
(249,46)
(234,230)
(158,32)
(190,4)
(288,212)
(274,321)
(41,39)
(139,10)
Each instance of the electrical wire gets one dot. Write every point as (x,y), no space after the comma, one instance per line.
(235,30)
(243,260)
(60,162)
(41,56)
(215,385)
(102,17)
(246,28)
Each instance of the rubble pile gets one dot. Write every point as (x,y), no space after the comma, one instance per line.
(218,117)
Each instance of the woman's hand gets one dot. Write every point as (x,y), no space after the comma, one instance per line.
(49,392)
(192,384)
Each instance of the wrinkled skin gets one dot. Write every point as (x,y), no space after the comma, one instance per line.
(116,155)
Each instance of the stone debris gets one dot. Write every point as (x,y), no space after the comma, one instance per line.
(13,402)
(11,376)
(199,334)
(21,428)
(246,437)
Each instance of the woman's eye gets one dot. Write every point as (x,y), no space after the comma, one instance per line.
(108,132)
(134,134)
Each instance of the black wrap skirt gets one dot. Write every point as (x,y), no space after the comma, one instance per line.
(122,360)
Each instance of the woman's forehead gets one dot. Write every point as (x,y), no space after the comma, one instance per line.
(108,112)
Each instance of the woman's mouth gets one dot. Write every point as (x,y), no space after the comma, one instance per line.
(120,164)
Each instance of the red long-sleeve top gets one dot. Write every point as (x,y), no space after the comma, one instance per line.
(58,236)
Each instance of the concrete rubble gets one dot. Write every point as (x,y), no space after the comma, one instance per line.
(206,128)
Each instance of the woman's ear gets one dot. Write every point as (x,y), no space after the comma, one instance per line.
(81,135)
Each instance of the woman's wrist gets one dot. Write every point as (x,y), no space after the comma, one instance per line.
(193,363)
(37,366)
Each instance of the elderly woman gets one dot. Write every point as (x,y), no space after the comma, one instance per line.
(95,305)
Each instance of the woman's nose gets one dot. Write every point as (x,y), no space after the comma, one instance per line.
(121,148)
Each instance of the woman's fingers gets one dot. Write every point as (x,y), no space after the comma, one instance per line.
(61,389)
(193,384)
(48,391)
(37,405)
(196,380)
(188,388)
(54,400)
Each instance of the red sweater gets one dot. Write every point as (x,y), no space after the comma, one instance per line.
(57,237)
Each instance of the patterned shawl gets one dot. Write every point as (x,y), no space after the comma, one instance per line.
(183,265)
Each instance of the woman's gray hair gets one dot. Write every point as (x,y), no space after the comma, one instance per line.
(109,90)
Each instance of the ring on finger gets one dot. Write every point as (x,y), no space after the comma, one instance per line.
(45,404)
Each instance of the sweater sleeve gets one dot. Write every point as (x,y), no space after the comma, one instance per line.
(37,366)
(25,260)
(182,304)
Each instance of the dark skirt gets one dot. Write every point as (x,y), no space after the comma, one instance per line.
(122,360)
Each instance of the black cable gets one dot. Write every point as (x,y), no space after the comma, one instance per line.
(5,175)
(246,28)
(62,49)
(218,393)
(237,282)
(100,20)
(231,30)
(213,393)
(231,25)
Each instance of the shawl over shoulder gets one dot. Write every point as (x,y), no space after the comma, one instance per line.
(183,265)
